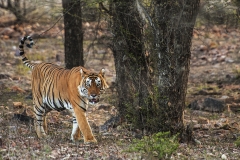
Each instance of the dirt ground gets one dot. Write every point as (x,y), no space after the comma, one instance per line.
(214,73)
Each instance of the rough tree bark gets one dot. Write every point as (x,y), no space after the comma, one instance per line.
(174,21)
(73,33)
(153,100)
(130,62)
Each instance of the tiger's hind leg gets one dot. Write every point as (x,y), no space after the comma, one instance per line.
(45,123)
(40,122)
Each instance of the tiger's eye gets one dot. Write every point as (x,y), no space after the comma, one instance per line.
(98,82)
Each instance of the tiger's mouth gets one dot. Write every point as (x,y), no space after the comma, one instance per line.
(93,100)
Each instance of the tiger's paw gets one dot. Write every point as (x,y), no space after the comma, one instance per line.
(76,138)
(89,141)
(44,137)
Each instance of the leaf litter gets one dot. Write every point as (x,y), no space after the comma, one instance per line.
(214,70)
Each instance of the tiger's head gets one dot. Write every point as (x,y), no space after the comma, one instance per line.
(92,85)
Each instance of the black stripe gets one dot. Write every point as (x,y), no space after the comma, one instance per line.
(81,99)
(30,38)
(80,106)
(24,59)
(49,103)
(60,100)
(40,115)
(66,101)
(21,53)
(39,110)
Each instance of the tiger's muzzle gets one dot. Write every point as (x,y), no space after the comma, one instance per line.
(93,99)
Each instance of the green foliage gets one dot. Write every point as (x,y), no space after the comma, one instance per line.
(237,142)
(22,69)
(160,144)
(38,56)
(147,115)
(219,12)
(47,148)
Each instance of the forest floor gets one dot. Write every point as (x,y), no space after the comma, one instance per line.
(214,72)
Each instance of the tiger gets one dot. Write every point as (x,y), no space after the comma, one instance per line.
(57,88)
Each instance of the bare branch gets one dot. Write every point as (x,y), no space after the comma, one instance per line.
(51,26)
(104,8)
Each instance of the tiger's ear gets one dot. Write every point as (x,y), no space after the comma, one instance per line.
(102,72)
(81,72)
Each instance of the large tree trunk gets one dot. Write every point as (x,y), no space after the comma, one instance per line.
(154,102)
(174,21)
(73,33)
(130,62)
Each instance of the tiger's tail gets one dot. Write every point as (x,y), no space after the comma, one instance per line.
(21,50)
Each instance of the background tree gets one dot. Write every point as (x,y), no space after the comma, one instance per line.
(214,12)
(18,8)
(73,43)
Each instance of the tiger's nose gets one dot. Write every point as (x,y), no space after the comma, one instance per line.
(93,95)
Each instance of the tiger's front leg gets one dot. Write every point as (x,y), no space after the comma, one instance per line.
(83,125)
(76,135)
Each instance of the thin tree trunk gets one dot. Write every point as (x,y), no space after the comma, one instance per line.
(73,33)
